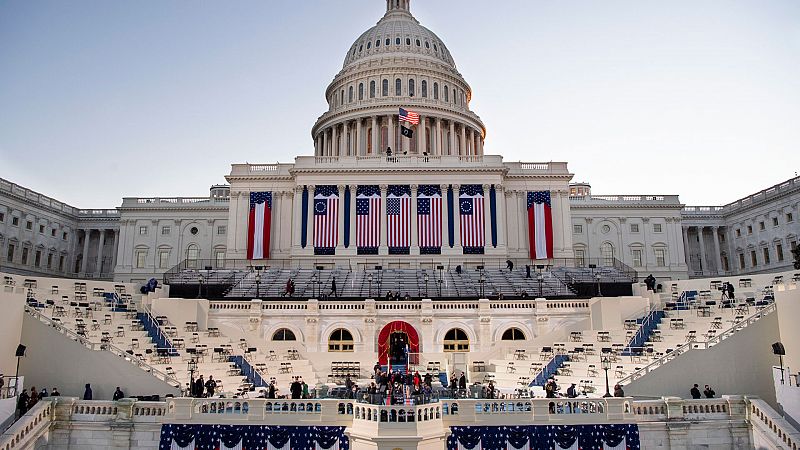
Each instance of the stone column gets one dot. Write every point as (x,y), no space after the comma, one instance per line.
(451,139)
(715,230)
(376,134)
(463,147)
(421,136)
(703,259)
(436,142)
(522,222)
(353,246)
(278,224)
(297,214)
(471,141)
(310,224)
(383,249)
(480,143)
(390,136)
(85,256)
(414,231)
(487,217)
(340,221)
(511,228)
(685,232)
(116,250)
(459,250)
(359,128)
(100,244)
(335,141)
(324,144)
(500,201)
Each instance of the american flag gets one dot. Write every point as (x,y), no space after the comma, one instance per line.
(429,216)
(409,116)
(540,225)
(252,437)
(326,217)
(259,225)
(368,216)
(398,216)
(473,229)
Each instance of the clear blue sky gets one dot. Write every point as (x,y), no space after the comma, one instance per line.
(103,99)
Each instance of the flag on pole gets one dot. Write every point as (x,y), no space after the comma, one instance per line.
(407,132)
(473,228)
(326,219)
(540,225)
(398,217)
(409,116)
(429,218)
(368,217)
(259,224)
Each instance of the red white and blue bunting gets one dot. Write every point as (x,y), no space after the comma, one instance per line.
(251,437)
(556,437)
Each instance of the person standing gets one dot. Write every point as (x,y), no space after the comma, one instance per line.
(509,265)
(43,393)
(618,392)
(55,393)
(527,271)
(296,389)
(708,392)
(118,394)
(211,385)
(87,392)
(271,390)
(304,386)
(695,391)
(22,402)
(333,288)
(199,387)
(462,384)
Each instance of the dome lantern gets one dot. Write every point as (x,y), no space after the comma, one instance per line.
(398,6)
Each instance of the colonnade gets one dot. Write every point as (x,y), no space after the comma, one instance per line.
(707,266)
(102,236)
(434,135)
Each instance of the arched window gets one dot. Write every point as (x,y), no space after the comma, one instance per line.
(397,41)
(424,89)
(385,88)
(192,255)
(456,340)
(454,96)
(342,98)
(388,41)
(350,94)
(607,253)
(436,91)
(446,94)
(411,88)
(377,42)
(372,89)
(408,41)
(369,45)
(361,91)
(398,87)
(284,334)
(513,334)
(340,341)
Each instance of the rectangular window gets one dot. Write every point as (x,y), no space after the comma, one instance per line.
(779,251)
(163,259)
(580,258)
(37,259)
(774,221)
(143,231)
(637,258)
(220,257)
(634,228)
(657,227)
(64,235)
(141,255)
(741,261)
(753,258)
(761,226)
(61,263)
(165,231)
(789,217)
(2,217)
(222,229)
(10,254)
(577,229)
(661,257)
(738,232)
(41,229)
(29,225)
(749,229)
(15,221)
(53,232)
(50,261)
(766,256)
(24,255)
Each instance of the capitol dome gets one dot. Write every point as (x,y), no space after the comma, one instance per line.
(395,64)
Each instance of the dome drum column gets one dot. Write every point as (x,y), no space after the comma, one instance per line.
(335,141)
(375,135)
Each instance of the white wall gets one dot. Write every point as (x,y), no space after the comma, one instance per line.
(182,310)
(12,304)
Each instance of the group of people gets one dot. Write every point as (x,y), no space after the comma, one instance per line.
(298,389)
(551,390)
(707,392)
(200,388)
(394,385)
(26,401)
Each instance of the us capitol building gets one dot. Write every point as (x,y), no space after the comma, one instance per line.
(397,64)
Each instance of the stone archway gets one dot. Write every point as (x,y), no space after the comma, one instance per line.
(384,343)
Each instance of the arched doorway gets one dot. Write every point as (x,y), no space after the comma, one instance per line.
(393,340)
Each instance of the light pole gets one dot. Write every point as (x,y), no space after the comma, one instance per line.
(192,366)
(540,278)
(606,365)
(597,277)
(481,280)
(258,284)
(369,280)
(426,284)
(200,284)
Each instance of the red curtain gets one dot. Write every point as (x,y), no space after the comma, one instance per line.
(386,333)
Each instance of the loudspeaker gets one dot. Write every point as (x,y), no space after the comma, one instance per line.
(20,350)
(378,267)
(209,268)
(777,348)
(259,267)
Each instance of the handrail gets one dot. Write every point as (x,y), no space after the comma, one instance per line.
(28,427)
(103,347)
(696,345)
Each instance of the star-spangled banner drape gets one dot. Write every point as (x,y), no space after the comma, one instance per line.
(540,225)
(580,437)
(398,219)
(429,219)
(368,219)
(326,219)
(259,225)
(252,437)
(471,213)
